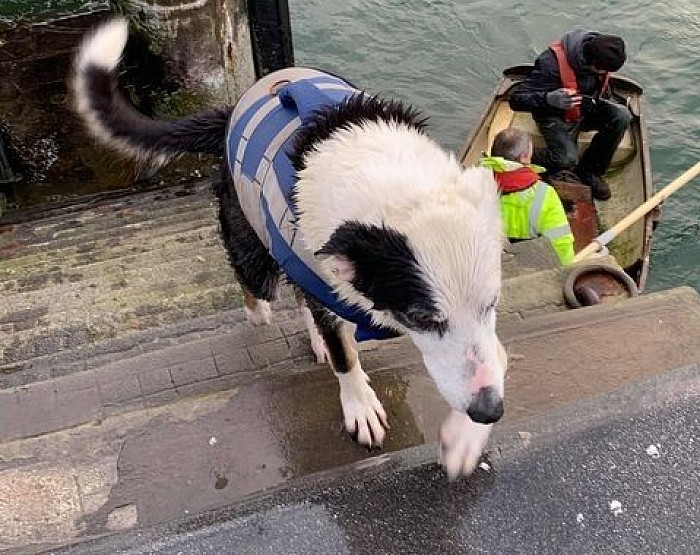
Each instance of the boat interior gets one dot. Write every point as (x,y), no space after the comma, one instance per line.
(629,174)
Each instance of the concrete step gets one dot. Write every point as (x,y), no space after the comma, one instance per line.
(182,187)
(96,215)
(650,322)
(225,415)
(107,276)
(89,246)
(616,473)
(113,267)
(27,239)
(73,329)
(81,275)
(75,257)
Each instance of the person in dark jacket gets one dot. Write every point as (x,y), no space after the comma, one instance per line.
(566,93)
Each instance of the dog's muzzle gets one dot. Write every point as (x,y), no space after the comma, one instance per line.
(486,407)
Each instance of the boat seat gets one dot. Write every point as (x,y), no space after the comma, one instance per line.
(505,118)
(524,122)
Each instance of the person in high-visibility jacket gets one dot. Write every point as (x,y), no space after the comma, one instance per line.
(529,207)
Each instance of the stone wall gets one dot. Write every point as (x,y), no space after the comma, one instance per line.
(181,56)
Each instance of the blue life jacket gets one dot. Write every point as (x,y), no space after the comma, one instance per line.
(259,136)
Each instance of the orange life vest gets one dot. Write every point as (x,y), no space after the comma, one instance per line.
(568,80)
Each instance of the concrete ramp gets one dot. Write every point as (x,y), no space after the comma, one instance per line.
(75,277)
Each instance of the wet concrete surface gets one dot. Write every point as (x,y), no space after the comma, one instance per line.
(142,468)
(618,473)
(254,438)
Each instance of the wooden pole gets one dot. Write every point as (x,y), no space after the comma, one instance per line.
(640,211)
(271,35)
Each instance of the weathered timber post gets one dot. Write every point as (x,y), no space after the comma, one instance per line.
(201,49)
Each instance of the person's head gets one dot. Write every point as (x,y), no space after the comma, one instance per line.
(604,53)
(513,144)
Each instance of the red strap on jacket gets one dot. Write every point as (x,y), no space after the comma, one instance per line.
(606,79)
(516,180)
(568,80)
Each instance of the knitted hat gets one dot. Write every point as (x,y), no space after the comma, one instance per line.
(605,52)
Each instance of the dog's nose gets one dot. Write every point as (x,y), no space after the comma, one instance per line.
(486,407)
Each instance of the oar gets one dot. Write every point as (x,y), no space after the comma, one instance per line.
(633,216)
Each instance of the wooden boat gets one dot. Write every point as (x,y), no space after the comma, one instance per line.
(629,177)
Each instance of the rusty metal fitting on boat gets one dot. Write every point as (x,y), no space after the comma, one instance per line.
(591,284)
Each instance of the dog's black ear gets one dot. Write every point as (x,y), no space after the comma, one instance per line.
(375,259)
(343,248)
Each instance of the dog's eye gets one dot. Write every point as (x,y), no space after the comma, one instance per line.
(487,309)
(425,319)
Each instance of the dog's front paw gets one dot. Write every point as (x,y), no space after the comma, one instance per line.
(260,314)
(461,442)
(365,418)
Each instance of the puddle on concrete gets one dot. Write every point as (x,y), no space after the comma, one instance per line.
(290,426)
(269,432)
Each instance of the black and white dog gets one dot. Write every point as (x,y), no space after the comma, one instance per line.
(382,230)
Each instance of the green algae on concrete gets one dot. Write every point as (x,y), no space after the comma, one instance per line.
(78,277)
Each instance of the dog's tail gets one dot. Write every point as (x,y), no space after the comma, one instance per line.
(115,122)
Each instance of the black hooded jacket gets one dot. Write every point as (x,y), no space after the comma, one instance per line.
(530,95)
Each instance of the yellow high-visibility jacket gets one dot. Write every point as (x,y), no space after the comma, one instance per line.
(534,211)
(538,211)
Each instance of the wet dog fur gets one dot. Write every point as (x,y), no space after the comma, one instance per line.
(402,230)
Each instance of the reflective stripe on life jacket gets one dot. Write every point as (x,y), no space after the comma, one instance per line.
(259,137)
(536,208)
(568,80)
(538,211)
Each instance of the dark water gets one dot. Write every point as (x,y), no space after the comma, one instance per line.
(445,56)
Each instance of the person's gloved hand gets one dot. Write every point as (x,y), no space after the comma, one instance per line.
(563,99)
